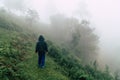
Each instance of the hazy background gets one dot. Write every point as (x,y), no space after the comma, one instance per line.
(102,14)
(106,20)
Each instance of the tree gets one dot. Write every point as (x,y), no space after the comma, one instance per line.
(117,75)
(76,35)
(32,16)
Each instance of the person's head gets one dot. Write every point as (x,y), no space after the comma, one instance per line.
(41,38)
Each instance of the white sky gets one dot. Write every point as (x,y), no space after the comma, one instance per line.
(104,16)
(66,7)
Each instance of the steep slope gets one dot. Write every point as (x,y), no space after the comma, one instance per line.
(19,62)
(28,65)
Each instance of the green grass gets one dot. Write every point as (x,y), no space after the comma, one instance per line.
(52,70)
(57,67)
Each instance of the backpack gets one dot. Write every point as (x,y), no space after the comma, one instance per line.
(41,46)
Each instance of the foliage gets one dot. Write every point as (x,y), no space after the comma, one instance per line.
(117,75)
(77,37)
(11,55)
(73,68)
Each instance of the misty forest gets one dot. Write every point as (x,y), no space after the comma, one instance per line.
(72,48)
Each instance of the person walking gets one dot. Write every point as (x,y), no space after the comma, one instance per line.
(41,49)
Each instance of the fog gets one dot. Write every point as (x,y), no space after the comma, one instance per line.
(106,18)
(103,15)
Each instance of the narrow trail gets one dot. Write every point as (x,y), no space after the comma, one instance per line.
(47,73)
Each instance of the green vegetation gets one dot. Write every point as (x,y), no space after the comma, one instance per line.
(18,61)
(11,54)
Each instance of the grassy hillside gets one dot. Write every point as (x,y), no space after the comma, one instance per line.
(18,61)
(27,64)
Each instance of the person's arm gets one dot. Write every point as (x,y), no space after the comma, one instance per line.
(36,48)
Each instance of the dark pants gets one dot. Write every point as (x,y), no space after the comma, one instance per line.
(41,59)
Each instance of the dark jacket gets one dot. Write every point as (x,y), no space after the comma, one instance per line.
(42,42)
